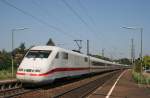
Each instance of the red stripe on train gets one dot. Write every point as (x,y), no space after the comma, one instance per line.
(53,71)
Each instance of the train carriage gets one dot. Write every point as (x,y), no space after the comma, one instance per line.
(44,64)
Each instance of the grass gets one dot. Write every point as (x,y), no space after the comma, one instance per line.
(140,79)
(6,74)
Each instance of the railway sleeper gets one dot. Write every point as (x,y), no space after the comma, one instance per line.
(8,86)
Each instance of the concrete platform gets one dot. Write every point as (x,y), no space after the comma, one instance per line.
(121,86)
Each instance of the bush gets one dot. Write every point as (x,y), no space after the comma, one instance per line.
(5,74)
(138,78)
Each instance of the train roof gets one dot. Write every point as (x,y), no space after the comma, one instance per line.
(72,52)
(43,48)
(56,48)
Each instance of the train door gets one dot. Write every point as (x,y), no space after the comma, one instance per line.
(89,64)
(64,63)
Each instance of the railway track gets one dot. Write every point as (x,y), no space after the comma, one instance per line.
(75,89)
(15,92)
(10,88)
(7,87)
(86,89)
(8,84)
(10,92)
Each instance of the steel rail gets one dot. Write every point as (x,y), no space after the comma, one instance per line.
(85,89)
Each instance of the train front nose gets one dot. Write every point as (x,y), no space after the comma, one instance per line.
(34,63)
(27,76)
(30,70)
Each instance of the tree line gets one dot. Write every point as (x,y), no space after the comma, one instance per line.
(19,52)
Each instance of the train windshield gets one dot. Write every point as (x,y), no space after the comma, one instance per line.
(38,54)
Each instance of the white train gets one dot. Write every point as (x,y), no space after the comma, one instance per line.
(44,64)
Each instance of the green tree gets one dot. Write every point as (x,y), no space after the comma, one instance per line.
(50,42)
(19,53)
(22,46)
(5,60)
(146,61)
(124,61)
(137,67)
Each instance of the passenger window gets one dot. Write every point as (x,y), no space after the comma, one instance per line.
(57,56)
(65,56)
(85,59)
(94,63)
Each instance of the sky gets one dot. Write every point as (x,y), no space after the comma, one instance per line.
(99,21)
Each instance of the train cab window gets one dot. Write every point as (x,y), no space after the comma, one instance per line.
(57,56)
(85,59)
(38,54)
(65,55)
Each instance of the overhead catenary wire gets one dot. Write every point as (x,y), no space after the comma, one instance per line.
(89,16)
(89,28)
(86,12)
(80,18)
(36,18)
(48,13)
(44,10)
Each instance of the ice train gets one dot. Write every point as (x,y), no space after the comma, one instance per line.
(44,64)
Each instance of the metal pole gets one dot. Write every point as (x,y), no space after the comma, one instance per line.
(141,60)
(12,54)
(141,30)
(87,47)
(12,60)
(132,51)
(79,44)
(102,52)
